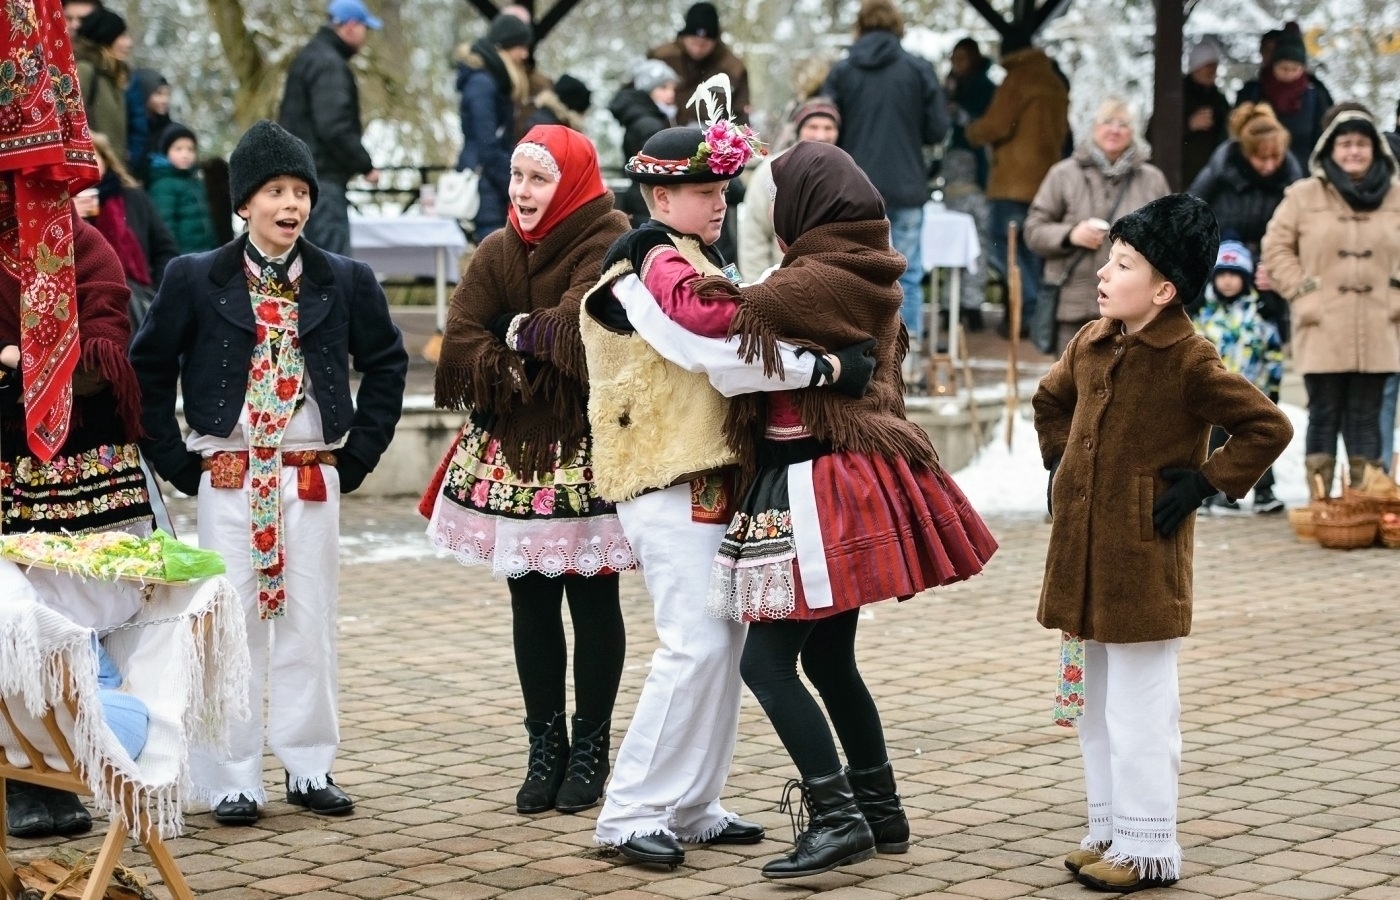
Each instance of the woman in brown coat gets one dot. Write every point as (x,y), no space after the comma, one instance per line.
(1107,176)
(518,492)
(1333,251)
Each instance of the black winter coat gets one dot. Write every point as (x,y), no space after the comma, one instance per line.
(640,118)
(200,334)
(321,105)
(155,239)
(892,107)
(1243,200)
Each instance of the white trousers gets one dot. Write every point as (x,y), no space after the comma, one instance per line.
(673,761)
(1130,736)
(293,658)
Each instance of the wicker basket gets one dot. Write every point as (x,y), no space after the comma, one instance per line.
(1301,518)
(1344,526)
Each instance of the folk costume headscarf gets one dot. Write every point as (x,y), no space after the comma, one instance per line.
(838,285)
(571,159)
(45,153)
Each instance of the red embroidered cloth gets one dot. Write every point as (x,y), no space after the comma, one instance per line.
(45,152)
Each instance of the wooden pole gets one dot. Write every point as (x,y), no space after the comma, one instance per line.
(1013,312)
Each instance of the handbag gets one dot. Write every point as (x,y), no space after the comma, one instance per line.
(458,194)
(1045,325)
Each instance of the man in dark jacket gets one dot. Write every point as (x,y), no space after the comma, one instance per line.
(892,107)
(699,53)
(321,105)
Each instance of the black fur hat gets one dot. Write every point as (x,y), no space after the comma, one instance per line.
(573,93)
(266,151)
(667,158)
(1178,234)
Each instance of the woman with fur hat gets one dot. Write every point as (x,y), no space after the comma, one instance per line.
(1123,418)
(494,85)
(1332,249)
(260,336)
(102,48)
(845,503)
(518,495)
(1067,225)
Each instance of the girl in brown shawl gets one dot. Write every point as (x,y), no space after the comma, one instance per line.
(845,504)
(518,493)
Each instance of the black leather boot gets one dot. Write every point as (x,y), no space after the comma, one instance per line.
(70,816)
(26,813)
(549,751)
(587,769)
(836,835)
(875,795)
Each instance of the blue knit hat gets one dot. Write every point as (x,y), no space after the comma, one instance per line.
(1235,257)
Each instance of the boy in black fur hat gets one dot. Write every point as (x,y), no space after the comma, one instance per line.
(271,448)
(1123,418)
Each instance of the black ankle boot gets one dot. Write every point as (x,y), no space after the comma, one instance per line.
(26,813)
(836,835)
(875,795)
(549,749)
(587,769)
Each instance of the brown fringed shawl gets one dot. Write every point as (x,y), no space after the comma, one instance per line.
(838,285)
(537,405)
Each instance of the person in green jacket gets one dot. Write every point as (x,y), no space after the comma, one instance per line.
(178,192)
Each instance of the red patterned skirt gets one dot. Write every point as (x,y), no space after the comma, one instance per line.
(866,528)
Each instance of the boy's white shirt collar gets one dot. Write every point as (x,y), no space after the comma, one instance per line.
(279,259)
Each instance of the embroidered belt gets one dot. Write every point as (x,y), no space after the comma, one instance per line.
(226,469)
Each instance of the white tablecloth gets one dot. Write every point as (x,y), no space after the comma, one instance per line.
(949,241)
(410,245)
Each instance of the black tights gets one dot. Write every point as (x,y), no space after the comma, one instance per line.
(828,651)
(541,655)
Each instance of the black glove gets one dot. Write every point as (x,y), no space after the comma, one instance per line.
(499,325)
(352,472)
(186,481)
(1050,486)
(634,247)
(857,368)
(1186,489)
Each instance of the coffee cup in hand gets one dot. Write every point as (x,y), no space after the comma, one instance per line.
(1098,224)
(87,203)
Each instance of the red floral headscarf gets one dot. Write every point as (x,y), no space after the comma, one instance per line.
(580,179)
(45,152)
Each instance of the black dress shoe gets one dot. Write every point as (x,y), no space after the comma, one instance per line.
(69,814)
(739,832)
(26,813)
(241,810)
(656,849)
(327,801)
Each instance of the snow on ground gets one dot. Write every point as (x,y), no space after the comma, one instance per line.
(1011,481)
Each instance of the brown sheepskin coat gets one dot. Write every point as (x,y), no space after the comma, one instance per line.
(1116,410)
(545,401)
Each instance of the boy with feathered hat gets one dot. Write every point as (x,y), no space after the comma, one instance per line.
(1123,418)
(660,453)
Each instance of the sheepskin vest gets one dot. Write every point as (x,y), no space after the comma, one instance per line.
(654,424)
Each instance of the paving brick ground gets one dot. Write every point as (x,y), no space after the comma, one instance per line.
(1291,727)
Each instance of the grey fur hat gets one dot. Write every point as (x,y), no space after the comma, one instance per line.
(266,151)
(1178,235)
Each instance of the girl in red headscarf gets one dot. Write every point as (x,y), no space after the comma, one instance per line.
(517,493)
